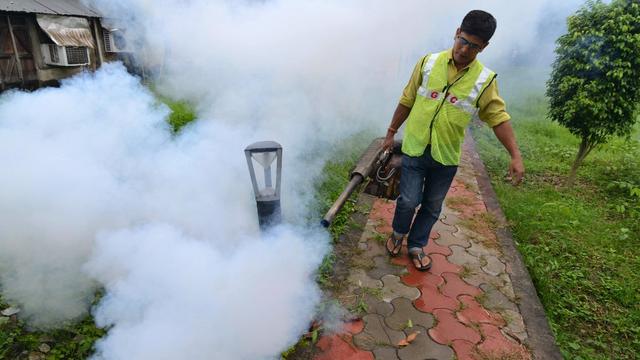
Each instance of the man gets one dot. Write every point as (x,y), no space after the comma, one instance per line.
(445,91)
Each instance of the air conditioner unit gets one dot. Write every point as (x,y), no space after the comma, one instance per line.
(115,41)
(65,55)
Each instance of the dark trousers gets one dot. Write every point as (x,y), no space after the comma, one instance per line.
(423,182)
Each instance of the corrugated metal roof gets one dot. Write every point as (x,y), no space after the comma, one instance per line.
(54,7)
(66,30)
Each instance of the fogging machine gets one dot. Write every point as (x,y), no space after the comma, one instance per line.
(380,168)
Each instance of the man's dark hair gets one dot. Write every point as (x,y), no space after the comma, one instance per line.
(479,23)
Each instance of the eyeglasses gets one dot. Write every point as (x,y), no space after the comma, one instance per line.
(465,42)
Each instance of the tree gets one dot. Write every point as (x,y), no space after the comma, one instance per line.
(594,88)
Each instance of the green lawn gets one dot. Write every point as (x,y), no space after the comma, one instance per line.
(182,112)
(581,245)
(70,341)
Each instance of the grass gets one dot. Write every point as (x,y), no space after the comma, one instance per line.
(483,224)
(580,244)
(182,112)
(458,201)
(72,341)
(359,306)
(328,187)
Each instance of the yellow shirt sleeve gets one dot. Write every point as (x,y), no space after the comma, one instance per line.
(409,94)
(492,108)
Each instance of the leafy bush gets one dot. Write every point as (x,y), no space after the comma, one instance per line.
(594,87)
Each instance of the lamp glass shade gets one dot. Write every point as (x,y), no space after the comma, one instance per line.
(265,177)
(264,158)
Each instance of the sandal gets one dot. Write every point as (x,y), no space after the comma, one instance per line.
(397,245)
(420,255)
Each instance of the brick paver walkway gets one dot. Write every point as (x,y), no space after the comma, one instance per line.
(463,308)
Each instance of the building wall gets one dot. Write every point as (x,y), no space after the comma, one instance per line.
(36,72)
(14,72)
(39,73)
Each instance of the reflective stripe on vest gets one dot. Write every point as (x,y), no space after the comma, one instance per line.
(426,71)
(442,111)
(468,104)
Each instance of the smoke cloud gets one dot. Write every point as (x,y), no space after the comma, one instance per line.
(202,306)
(97,192)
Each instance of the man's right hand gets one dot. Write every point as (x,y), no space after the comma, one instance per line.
(388,143)
(399,116)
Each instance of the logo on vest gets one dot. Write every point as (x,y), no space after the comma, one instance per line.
(434,95)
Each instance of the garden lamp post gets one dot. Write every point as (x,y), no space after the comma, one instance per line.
(265,153)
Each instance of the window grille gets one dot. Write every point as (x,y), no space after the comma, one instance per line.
(107,40)
(53,52)
(77,55)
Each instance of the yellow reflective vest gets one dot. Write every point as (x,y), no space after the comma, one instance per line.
(442,111)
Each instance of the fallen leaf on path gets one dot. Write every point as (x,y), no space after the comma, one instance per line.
(412,336)
(409,339)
